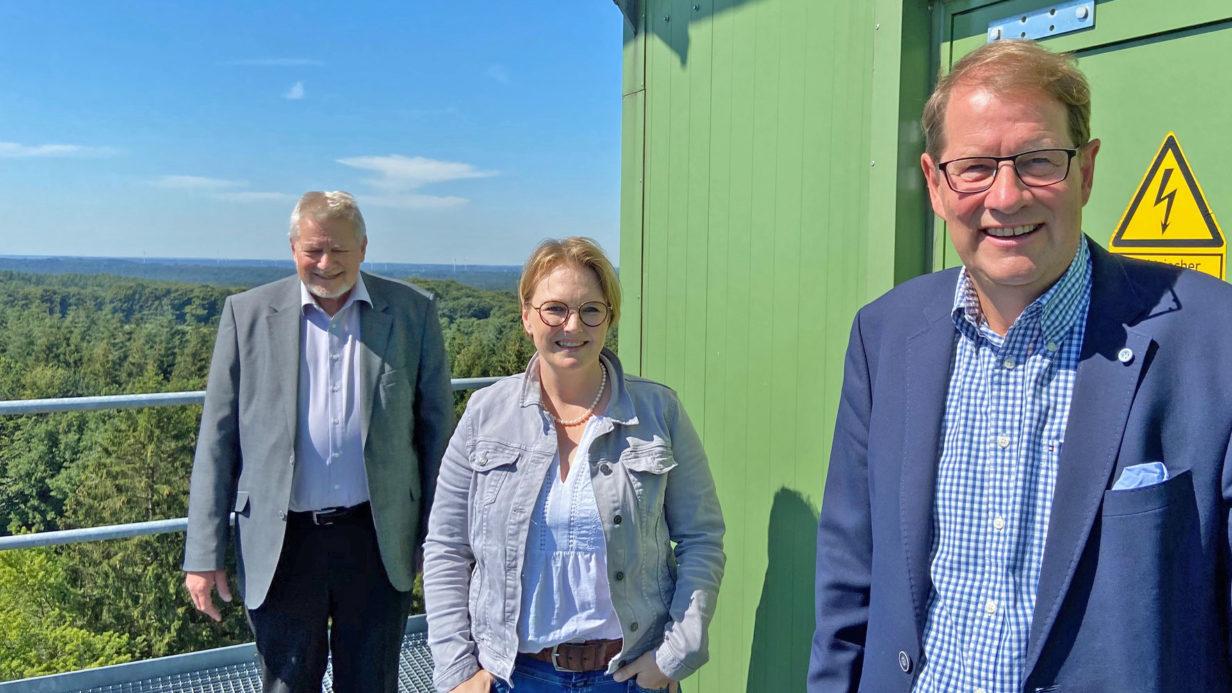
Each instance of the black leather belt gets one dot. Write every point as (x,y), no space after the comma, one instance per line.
(330,516)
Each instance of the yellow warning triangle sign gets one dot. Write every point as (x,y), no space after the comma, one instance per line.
(1169,210)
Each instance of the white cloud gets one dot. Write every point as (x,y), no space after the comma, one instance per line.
(274,62)
(404,173)
(295,93)
(14,150)
(254,196)
(414,201)
(195,183)
(499,73)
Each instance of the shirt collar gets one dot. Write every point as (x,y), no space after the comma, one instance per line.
(1056,310)
(359,292)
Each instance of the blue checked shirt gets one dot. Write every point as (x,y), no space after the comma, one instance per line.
(1005,414)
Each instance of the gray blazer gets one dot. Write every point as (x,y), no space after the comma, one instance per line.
(246,448)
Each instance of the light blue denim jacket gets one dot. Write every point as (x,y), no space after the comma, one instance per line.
(653,488)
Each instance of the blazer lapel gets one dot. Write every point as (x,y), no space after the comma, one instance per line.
(375,324)
(927,369)
(1104,388)
(282,324)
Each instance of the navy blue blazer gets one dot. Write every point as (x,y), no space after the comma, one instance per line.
(1134,588)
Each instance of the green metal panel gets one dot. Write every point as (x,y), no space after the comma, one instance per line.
(754,224)
(1154,67)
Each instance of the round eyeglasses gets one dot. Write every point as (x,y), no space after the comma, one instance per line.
(556,313)
(1036,169)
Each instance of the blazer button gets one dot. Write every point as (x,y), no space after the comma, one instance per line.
(620,575)
(282,515)
(605,469)
(617,520)
(633,626)
(904,662)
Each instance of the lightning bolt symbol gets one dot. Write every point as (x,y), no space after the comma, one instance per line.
(1169,198)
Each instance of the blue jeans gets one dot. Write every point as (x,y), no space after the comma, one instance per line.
(534,676)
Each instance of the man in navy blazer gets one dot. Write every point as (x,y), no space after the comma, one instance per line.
(1030,477)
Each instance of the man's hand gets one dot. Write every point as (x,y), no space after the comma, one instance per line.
(647,672)
(201,585)
(481,682)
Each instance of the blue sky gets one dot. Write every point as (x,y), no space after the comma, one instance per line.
(467,129)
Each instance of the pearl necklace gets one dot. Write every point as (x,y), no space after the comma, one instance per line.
(589,412)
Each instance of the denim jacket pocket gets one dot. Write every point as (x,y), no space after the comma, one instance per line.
(492,463)
(652,459)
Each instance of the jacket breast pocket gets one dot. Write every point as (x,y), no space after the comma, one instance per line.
(1177,490)
(648,468)
(493,465)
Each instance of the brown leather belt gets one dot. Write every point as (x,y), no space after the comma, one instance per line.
(592,655)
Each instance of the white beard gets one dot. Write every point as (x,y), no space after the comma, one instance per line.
(322,292)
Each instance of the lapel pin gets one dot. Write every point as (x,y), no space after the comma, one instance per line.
(1125,355)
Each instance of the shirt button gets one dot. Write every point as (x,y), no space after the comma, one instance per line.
(1052,346)
(335,422)
(617,520)
(1008,363)
(990,607)
(980,690)
(334,388)
(620,576)
(998,523)
(1003,441)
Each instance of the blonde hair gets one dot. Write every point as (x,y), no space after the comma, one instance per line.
(574,250)
(331,204)
(1010,66)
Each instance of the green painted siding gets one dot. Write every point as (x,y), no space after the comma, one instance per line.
(749,190)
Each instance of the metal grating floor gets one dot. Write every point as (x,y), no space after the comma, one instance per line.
(414,675)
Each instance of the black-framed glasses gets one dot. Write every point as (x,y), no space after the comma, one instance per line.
(556,313)
(1037,168)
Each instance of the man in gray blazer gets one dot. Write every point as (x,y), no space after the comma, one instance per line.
(326,414)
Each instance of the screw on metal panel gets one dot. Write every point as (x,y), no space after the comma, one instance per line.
(1024,19)
(872,163)
(1052,11)
(1082,13)
(995,34)
(1052,27)
(697,8)
(876,27)
(667,18)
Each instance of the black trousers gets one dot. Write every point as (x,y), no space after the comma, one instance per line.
(330,594)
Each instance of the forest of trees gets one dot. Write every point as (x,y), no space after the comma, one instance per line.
(83,605)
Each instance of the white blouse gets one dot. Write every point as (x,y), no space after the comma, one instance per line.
(565,592)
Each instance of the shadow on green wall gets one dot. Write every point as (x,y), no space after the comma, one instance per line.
(783,630)
(670,20)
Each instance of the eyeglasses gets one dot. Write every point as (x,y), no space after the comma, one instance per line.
(556,313)
(1037,168)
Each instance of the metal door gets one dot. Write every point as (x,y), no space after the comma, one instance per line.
(1155,68)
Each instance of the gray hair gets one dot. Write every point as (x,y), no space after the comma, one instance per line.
(322,206)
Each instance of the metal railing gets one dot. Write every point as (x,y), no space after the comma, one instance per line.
(161,399)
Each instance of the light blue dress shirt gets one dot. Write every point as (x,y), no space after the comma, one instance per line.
(329,451)
(1002,430)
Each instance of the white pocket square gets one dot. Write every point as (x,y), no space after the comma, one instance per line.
(1139,475)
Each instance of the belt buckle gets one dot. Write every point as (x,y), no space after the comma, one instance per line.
(325,517)
(555,654)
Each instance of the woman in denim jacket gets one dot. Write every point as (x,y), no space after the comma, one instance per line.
(575,539)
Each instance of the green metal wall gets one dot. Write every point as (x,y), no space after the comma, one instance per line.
(762,204)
